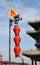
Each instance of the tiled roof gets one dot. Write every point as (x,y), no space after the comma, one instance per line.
(34,24)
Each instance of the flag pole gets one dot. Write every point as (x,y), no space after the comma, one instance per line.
(10,24)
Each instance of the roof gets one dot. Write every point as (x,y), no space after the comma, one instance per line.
(33,54)
(37,45)
(34,34)
(34,24)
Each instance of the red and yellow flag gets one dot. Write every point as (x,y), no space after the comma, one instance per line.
(13,13)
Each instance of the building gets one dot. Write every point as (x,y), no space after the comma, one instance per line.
(34,54)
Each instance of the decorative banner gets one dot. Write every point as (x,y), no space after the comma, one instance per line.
(13,13)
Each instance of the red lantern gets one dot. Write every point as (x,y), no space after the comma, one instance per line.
(17,40)
(17,51)
(16,29)
(0,60)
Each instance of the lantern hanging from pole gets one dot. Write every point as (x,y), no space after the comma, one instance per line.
(16,29)
(17,40)
(17,51)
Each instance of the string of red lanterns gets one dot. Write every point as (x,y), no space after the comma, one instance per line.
(16,30)
(17,41)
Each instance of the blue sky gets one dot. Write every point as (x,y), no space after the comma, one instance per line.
(29,11)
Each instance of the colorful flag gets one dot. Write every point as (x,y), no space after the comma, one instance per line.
(13,13)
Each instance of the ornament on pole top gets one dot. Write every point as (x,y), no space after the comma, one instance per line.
(13,13)
(16,17)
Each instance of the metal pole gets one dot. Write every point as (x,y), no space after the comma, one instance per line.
(9,43)
(10,24)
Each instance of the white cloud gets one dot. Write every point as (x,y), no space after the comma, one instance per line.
(4,31)
(23,31)
(38,2)
(30,14)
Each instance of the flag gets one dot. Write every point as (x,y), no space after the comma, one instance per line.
(13,13)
